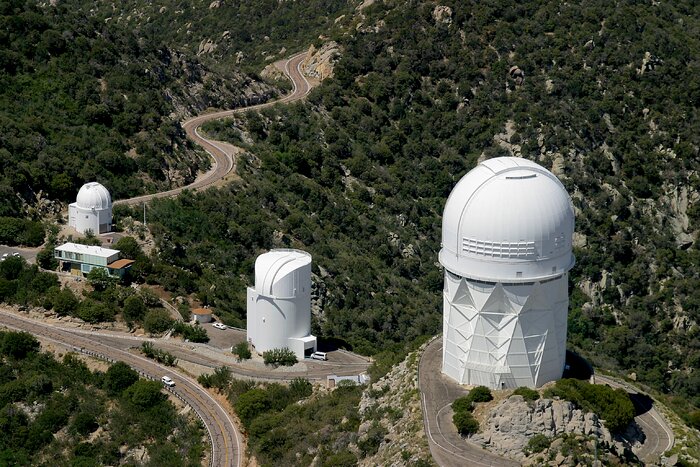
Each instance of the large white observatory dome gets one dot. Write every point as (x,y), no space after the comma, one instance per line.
(508,219)
(506,248)
(94,195)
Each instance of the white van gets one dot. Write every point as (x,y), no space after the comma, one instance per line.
(319,356)
(168,381)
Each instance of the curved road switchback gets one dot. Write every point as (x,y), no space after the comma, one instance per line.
(447,447)
(658,434)
(223,433)
(222,153)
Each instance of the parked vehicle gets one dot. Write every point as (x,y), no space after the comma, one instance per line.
(319,356)
(220,326)
(168,381)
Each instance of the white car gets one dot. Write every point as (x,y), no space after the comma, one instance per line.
(5,255)
(219,326)
(168,381)
(15,254)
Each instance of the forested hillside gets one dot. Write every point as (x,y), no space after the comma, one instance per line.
(83,98)
(62,413)
(604,95)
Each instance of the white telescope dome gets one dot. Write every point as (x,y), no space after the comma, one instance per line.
(94,195)
(508,220)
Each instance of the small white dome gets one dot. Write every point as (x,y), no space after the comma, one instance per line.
(279,272)
(508,220)
(94,195)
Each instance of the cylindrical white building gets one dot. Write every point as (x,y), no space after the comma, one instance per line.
(92,209)
(279,306)
(506,249)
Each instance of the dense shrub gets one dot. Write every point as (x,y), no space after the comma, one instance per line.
(282,356)
(157,321)
(192,333)
(612,405)
(537,443)
(242,351)
(480,394)
(527,393)
(463,404)
(465,423)
(118,377)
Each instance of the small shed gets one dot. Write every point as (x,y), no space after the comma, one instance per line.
(202,315)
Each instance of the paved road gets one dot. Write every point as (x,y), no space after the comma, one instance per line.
(222,153)
(437,393)
(659,435)
(224,435)
(450,449)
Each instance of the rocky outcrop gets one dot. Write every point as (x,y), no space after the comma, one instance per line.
(509,426)
(319,63)
(442,14)
(394,403)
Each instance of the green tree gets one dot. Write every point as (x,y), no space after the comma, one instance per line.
(134,309)
(65,302)
(527,393)
(118,377)
(100,279)
(157,321)
(250,404)
(18,345)
(145,394)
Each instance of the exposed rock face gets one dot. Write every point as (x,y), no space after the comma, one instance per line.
(442,14)
(394,401)
(206,46)
(513,422)
(319,63)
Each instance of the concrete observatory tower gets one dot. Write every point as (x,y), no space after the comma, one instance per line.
(506,249)
(279,306)
(92,209)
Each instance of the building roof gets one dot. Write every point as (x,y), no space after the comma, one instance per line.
(201,311)
(87,249)
(120,263)
(508,218)
(274,269)
(94,195)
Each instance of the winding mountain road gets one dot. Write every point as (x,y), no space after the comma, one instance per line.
(224,435)
(222,153)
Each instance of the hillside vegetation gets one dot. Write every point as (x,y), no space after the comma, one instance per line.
(62,413)
(359,174)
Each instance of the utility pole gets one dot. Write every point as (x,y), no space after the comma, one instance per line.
(144,214)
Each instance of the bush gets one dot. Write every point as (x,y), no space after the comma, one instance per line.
(480,394)
(157,321)
(84,423)
(192,333)
(220,379)
(463,404)
(612,405)
(242,351)
(465,423)
(118,377)
(527,393)
(18,344)
(134,309)
(65,302)
(145,394)
(279,357)
(537,443)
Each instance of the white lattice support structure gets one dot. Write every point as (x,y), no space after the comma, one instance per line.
(504,335)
